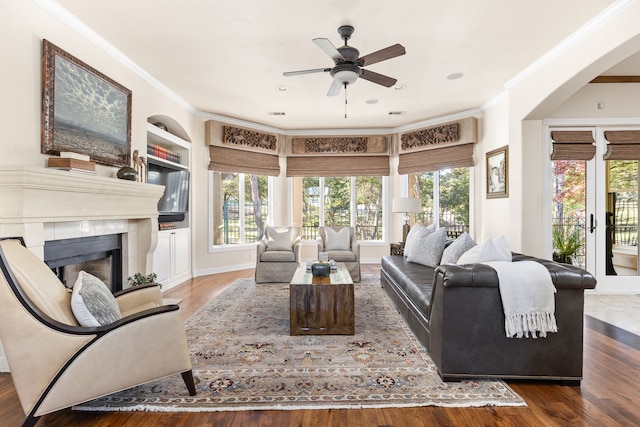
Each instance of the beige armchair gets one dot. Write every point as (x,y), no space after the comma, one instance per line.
(55,363)
(278,254)
(341,248)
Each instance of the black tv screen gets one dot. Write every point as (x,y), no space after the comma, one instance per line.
(176,188)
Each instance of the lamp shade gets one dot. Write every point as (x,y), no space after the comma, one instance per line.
(405,204)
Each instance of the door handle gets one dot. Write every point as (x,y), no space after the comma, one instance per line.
(592,223)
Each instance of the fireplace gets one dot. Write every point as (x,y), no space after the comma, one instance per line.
(100,256)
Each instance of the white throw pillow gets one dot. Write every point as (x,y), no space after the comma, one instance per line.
(337,240)
(487,251)
(428,250)
(279,239)
(92,302)
(417,232)
(503,251)
(454,251)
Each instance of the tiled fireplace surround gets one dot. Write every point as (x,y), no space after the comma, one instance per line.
(41,204)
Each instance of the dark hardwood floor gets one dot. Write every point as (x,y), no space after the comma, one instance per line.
(609,394)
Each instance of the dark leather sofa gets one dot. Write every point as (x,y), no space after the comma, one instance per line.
(456,313)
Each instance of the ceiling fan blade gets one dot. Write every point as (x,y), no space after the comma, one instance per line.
(334,89)
(382,54)
(329,49)
(378,78)
(297,73)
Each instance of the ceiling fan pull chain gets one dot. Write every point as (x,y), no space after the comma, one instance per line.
(345,100)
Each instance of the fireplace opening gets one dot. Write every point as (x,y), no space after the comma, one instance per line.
(100,256)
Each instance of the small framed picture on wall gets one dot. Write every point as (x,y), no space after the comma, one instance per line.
(498,173)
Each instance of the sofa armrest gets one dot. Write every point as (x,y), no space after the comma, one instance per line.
(139,296)
(320,244)
(261,247)
(480,275)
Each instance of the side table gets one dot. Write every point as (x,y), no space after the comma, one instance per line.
(397,249)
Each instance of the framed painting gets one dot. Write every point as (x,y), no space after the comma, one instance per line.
(498,173)
(83,110)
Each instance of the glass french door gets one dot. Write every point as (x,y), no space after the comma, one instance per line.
(595,209)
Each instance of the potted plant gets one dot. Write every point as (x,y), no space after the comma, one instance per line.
(567,242)
(142,279)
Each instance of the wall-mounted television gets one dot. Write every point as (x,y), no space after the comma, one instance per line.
(175,199)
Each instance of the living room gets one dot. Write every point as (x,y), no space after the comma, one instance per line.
(554,92)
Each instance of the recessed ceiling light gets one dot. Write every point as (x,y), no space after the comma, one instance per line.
(399,86)
(277,113)
(455,76)
(371,101)
(396,113)
(283,88)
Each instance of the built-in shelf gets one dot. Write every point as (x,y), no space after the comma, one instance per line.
(162,138)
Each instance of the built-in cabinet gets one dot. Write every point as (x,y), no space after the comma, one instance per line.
(172,257)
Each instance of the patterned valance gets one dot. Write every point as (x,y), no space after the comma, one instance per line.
(448,145)
(248,138)
(356,145)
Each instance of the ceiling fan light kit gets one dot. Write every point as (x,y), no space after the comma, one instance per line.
(349,63)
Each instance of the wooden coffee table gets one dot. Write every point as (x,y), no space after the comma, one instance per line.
(322,305)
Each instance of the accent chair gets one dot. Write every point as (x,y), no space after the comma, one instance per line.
(278,254)
(341,244)
(56,363)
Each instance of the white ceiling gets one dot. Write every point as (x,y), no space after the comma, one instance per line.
(227,58)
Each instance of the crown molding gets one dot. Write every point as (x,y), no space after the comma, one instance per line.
(81,28)
(617,7)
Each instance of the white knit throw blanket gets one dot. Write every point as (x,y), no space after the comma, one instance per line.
(527,292)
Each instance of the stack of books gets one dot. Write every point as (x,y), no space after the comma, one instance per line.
(73,162)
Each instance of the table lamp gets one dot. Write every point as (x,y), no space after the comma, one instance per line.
(405,205)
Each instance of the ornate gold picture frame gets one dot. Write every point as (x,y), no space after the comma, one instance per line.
(83,110)
(498,173)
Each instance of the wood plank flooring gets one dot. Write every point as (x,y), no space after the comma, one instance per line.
(609,394)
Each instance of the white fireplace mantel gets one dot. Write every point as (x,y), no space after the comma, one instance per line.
(36,203)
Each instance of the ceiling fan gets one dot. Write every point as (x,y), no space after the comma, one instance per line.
(348,66)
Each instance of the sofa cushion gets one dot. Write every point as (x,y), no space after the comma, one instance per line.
(337,240)
(428,250)
(417,232)
(279,239)
(415,279)
(462,244)
(92,302)
(496,249)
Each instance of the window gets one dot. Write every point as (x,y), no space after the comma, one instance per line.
(336,201)
(447,193)
(240,207)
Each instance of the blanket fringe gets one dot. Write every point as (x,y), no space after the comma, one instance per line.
(527,324)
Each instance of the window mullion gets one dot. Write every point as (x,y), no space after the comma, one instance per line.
(436,198)
(241,222)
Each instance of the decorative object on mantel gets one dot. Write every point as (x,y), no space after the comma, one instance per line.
(72,165)
(128,173)
(140,166)
(98,124)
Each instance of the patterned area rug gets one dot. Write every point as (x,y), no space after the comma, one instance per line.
(244,359)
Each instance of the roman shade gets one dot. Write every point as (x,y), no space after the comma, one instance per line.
(622,145)
(453,156)
(573,145)
(338,166)
(225,159)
